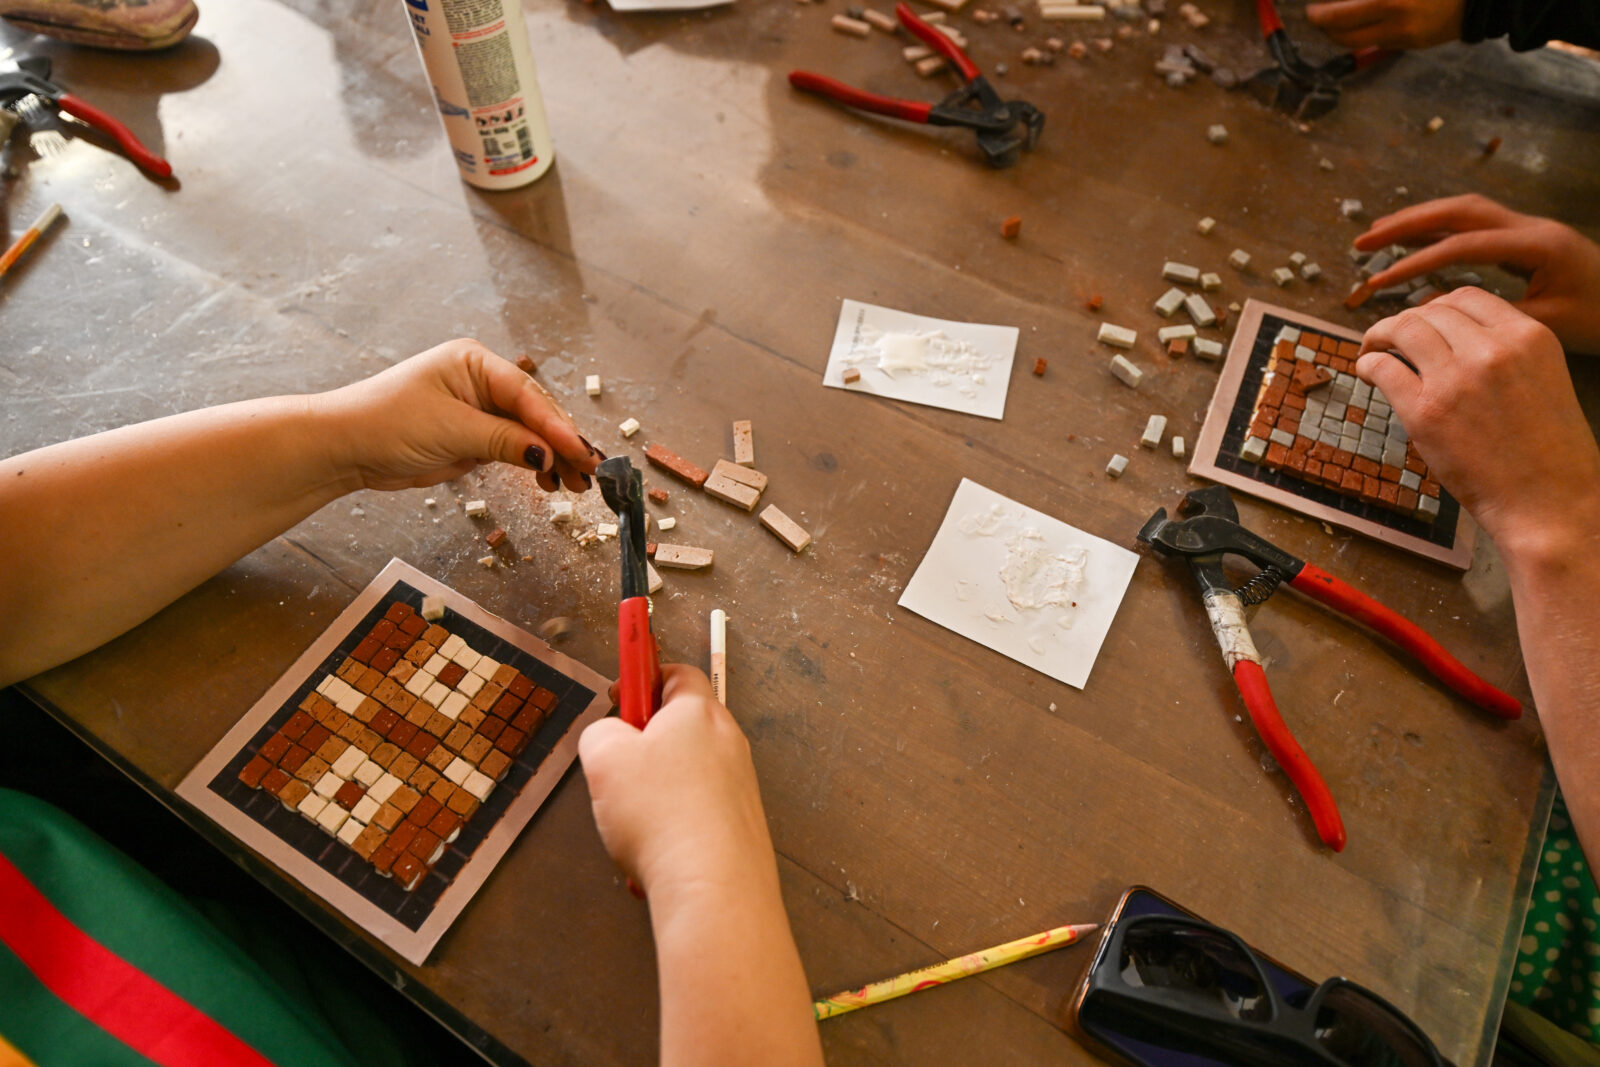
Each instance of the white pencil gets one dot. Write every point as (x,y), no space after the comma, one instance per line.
(719,655)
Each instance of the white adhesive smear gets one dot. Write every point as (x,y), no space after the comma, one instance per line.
(1021,582)
(1037,577)
(933,353)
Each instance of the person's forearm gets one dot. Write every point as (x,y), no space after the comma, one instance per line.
(732,988)
(102,532)
(1556,588)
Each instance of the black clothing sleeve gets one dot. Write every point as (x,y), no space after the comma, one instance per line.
(1532,23)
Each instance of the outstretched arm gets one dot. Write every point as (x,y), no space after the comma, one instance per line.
(1492,409)
(678,808)
(1404,24)
(102,532)
(1561,265)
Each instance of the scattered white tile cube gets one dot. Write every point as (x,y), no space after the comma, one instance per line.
(591,385)
(476,509)
(1176,333)
(561,511)
(1180,272)
(1210,281)
(1238,259)
(1349,208)
(458,770)
(606,529)
(1199,310)
(1205,348)
(486,562)
(1118,464)
(1126,372)
(1118,336)
(654,579)
(1169,302)
(1177,446)
(629,427)
(1217,133)
(1206,225)
(1154,430)
(1311,272)
(1282,275)
(666,524)
(432,608)
(1297,259)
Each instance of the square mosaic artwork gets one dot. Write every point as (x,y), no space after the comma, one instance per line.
(395,763)
(1291,423)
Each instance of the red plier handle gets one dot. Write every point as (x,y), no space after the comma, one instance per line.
(1321,586)
(80,108)
(895,108)
(936,41)
(638,663)
(1274,733)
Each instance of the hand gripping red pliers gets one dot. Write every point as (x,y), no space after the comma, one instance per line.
(1304,90)
(1212,531)
(638,657)
(1004,127)
(31,77)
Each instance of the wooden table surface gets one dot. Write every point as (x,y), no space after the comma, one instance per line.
(691,245)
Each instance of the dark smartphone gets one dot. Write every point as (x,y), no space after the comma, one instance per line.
(1119,1047)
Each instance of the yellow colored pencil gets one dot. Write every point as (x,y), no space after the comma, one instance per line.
(23,243)
(948,971)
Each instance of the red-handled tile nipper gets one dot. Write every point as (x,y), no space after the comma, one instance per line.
(1004,127)
(1210,531)
(638,656)
(31,77)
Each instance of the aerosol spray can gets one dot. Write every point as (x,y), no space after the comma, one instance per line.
(477,58)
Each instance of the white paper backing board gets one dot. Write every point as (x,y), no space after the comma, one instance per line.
(960,392)
(958,585)
(412,944)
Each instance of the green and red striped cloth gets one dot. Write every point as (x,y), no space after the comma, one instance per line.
(101,963)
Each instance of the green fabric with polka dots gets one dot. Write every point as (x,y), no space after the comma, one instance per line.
(1557,973)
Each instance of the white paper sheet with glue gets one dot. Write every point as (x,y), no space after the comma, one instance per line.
(961,366)
(1022,583)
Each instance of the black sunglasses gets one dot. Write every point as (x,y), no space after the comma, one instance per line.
(1168,989)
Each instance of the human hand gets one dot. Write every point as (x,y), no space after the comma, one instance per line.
(1403,24)
(439,414)
(1492,409)
(677,803)
(1561,265)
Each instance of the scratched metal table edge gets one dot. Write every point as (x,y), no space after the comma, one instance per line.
(471,1035)
(1532,852)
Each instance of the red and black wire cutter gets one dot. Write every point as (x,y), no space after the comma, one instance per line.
(1004,127)
(1304,90)
(31,77)
(1212,531)
(638,656)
